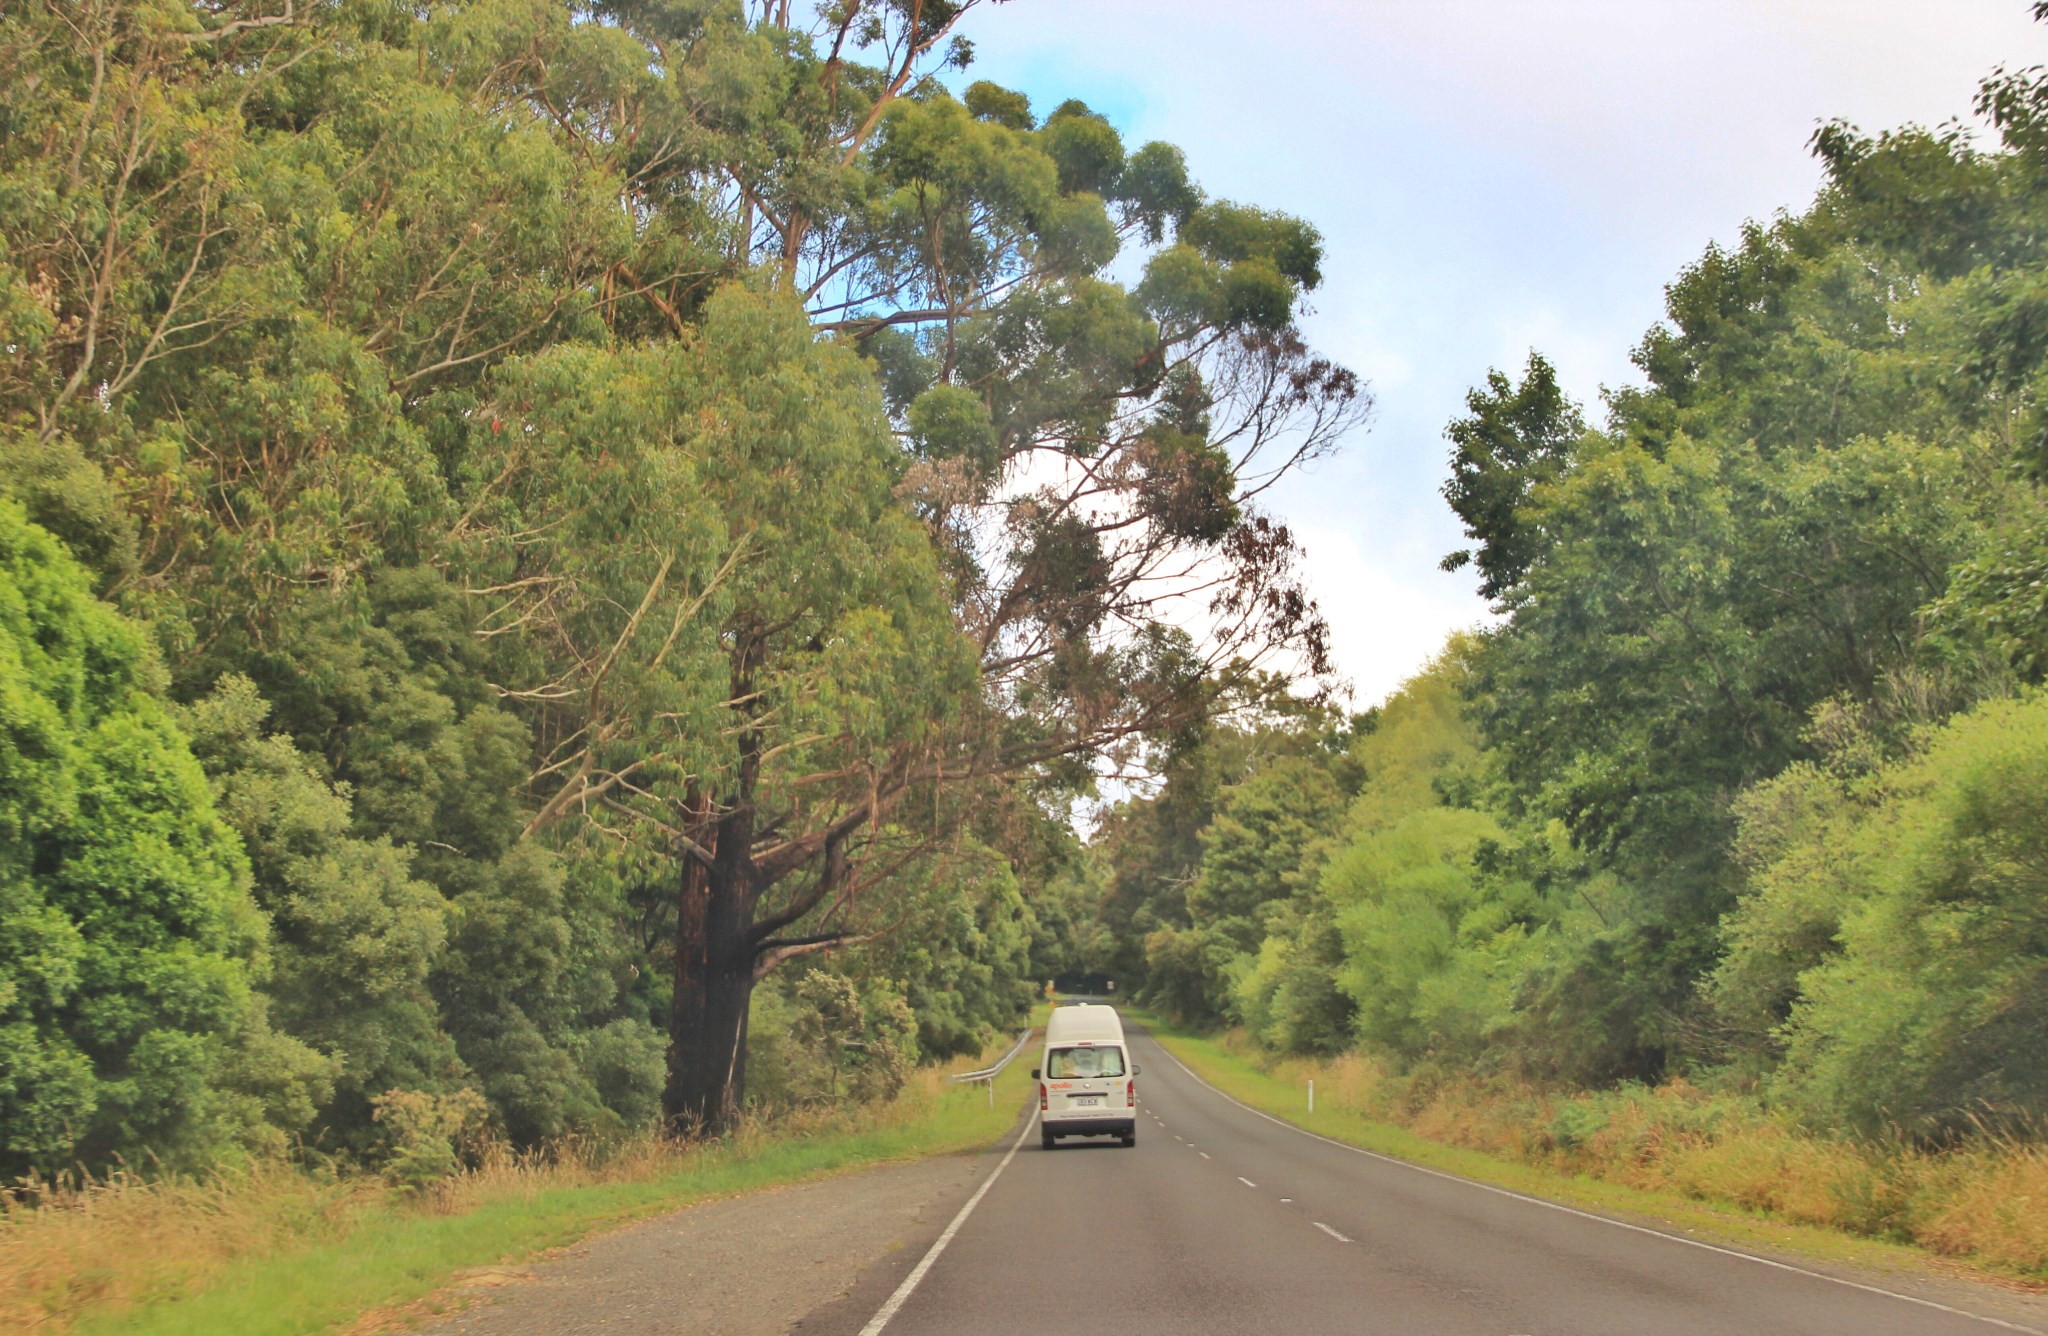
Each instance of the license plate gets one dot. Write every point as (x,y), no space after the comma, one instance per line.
(1090,1100)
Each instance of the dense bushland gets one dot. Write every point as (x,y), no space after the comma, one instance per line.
(521,522)
(1743,789)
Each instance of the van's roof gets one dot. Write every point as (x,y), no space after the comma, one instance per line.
(1089,1021)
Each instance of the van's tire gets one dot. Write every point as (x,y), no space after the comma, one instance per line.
(1046,1138)
(1130,1140)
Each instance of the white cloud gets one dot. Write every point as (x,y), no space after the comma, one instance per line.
(1386,622)
(1489,175)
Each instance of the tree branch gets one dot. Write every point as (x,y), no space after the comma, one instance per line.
(241,25)
(768,962)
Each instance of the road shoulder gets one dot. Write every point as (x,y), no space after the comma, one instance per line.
(747,1266)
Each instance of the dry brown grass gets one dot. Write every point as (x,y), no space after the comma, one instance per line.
(1986,1201)
(78,1246)
(74,1245)
(1993,1204)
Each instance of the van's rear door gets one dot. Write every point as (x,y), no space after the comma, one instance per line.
(1087,1080)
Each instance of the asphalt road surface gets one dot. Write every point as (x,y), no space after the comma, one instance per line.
(1222,1220)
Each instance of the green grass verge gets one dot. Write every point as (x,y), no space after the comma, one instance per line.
(399,1254)
(1242,1080)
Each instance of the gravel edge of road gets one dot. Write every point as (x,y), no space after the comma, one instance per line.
(465,1288)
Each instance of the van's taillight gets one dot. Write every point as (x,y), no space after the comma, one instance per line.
(1041,1097)
(1131,1091)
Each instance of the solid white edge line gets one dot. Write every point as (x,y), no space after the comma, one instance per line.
(1589,1215)
(910,1282)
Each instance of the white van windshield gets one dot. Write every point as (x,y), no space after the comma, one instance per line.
(1066,1064)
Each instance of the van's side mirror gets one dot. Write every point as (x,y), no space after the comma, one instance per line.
(1034,1073)
(1136,1070)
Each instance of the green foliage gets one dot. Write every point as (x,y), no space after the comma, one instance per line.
(1517,439)
(962,956)
(1261,846)
(825,1039)
(1408,903)
(128,942)
(1789,841)
(947,422)
(354,934)
(993,102)
(719,482)
(1419,736)
(1735,549)
(427,1138)
(1291,997)
(1909,903)
(626,1061)
(1436,919)
(1737,786)
(1212,868)
(529,432)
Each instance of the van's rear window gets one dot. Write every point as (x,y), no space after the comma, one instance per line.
(1072,1063)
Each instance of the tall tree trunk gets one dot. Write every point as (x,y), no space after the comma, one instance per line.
(714,985)
(714,980)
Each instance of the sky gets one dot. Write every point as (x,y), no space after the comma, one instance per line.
(1489,176)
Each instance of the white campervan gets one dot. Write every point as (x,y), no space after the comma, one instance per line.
(1087,1084)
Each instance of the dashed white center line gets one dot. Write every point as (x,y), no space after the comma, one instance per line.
(1204,1154)
(1287,1201)
(1246,1181)
(1331,1232)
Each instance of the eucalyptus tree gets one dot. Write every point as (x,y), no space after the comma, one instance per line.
(1086,455)
(736,642)
(304,303)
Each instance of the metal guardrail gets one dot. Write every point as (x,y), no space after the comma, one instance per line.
(988,1075)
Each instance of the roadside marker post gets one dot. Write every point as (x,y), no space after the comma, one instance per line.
(1311,1094)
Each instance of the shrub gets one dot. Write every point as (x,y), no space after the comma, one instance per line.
(128,942)
(1918,905)
(428,1138)
(825,1039)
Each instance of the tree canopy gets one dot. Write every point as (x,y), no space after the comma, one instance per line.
(592,503)
(1735,788)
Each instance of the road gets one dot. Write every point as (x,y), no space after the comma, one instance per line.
(1222,1220)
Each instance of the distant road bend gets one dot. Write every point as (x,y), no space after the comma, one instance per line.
(1223,1220)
